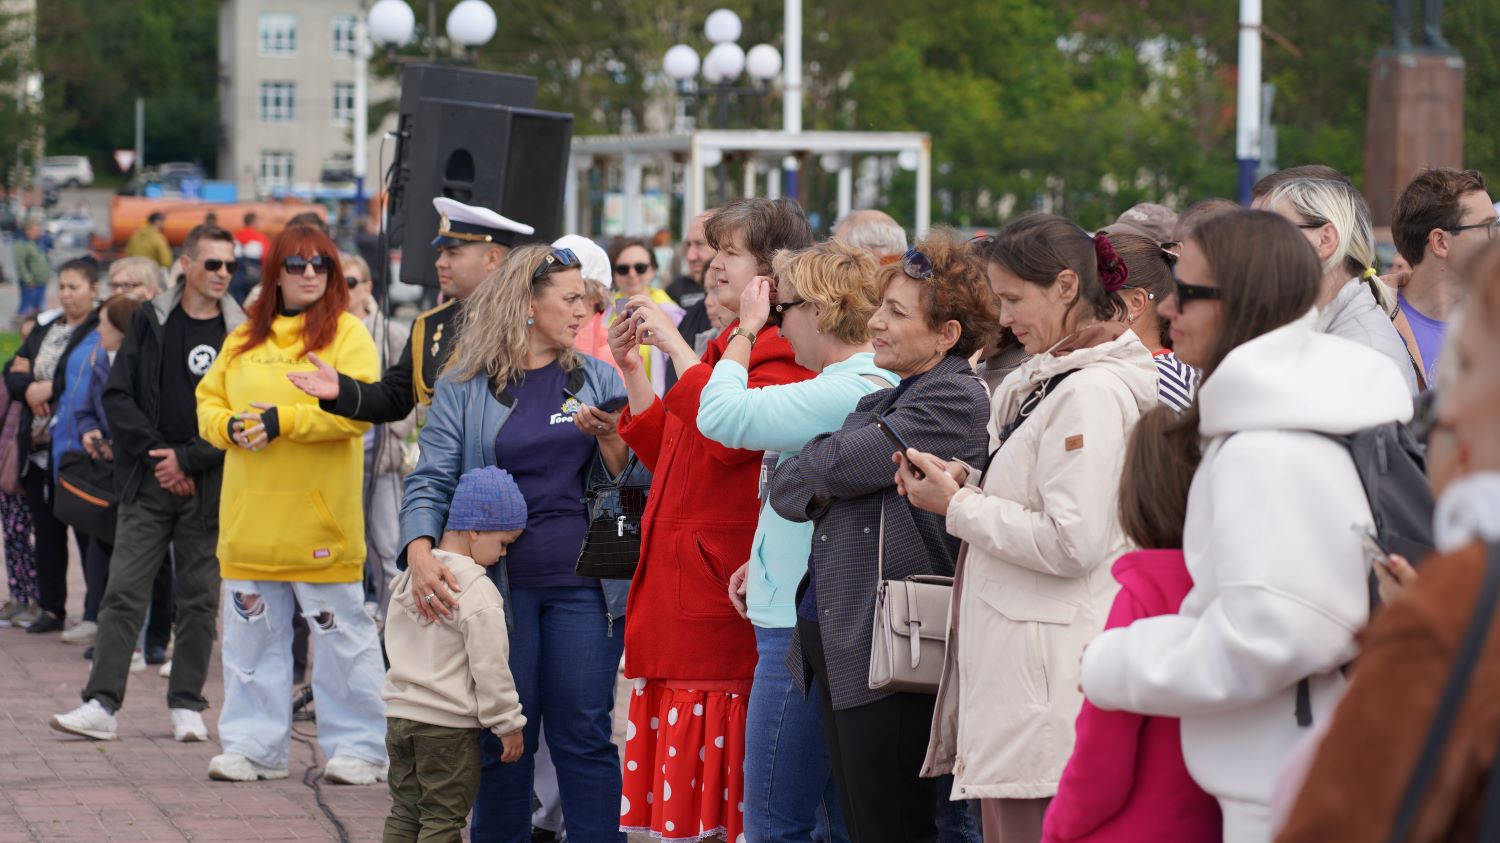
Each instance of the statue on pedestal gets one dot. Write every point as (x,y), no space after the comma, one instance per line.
(1432,25)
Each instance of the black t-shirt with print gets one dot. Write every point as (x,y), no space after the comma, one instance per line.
(189,347)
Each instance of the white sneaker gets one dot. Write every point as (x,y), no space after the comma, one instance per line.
(346,769)
(90,720)
(187,726)
(137,661)
(166,669)
(233,767)
(81,633)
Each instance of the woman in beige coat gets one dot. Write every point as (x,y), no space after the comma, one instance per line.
(1039,526)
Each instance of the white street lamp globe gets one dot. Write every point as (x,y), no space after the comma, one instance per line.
(711,157)
(471,23)
(909,159)
(725,61)
(722,26)
(680,63)
(763,62)
(392,22)
(831,162)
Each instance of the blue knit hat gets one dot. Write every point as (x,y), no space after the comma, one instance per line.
(487,499)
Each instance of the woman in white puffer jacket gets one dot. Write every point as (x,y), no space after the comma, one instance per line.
(1280,579)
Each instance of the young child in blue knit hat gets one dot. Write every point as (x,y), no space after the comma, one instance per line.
(450,679)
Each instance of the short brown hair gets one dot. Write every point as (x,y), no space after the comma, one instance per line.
(618,246)
(1163,452)
(1037,248)
(205,232)
(1149,271)
(769,225)
(957,291)
(119,309)
(837,276)
(1430,202)
(1267,273)
(1268,185)
(1200,211)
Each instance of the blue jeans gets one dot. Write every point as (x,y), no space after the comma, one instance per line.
(33,298)
(789,790)
(957,822)
(347,674)
(564,663)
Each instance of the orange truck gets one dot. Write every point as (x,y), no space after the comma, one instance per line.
(128,213)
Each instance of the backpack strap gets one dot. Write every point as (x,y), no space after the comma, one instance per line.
(1454,691)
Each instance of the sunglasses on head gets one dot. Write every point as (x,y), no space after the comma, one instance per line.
(625,268)
(916,265)
(214,265)
(779,310)
(297,265)
(555,258)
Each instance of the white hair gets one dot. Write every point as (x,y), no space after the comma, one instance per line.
(871,230)
(1338,203)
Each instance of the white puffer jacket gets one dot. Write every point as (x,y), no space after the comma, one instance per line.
(1033,583)
(1280,579)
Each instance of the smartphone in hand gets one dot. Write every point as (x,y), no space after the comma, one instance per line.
(614,405)
(1375,550)
(900,444)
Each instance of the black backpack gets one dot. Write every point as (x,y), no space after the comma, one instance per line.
(1392,467)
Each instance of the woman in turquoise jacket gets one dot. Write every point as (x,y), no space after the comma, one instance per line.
(824,298)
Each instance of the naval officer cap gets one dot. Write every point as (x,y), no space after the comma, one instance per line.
(459,224)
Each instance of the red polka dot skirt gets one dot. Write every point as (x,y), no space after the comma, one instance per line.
(684,763)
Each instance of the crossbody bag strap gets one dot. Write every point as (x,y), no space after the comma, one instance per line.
(880,555)
(1450,703)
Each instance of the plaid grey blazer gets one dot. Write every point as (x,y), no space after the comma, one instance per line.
(841,481)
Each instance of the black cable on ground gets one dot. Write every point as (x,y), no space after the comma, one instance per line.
(310,778)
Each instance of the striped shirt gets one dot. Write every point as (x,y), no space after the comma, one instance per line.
(1176,381)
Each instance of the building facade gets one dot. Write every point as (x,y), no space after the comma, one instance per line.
(286,97)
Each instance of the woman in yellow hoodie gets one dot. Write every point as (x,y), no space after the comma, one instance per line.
(291,523)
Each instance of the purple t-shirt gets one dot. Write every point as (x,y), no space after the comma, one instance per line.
(1428,333)
(547,455)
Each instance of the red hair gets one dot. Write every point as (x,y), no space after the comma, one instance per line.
(321,321)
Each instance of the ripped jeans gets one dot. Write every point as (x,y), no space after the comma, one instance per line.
(347,672)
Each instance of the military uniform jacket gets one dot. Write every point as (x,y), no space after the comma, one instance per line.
(411,381)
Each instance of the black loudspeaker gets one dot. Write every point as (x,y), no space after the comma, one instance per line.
(424,81)
(511,160)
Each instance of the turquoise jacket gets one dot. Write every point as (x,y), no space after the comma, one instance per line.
(782,418)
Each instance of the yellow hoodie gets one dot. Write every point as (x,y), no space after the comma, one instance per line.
(293,511)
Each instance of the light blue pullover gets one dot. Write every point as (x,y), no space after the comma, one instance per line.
(782,418)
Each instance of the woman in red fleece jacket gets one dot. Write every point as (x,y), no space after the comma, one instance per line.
(691,654)
(1126,781)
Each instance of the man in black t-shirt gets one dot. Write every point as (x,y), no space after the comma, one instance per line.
(168,479)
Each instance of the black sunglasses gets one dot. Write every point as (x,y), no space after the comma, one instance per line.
(916,265)
(297,265)
(354,281)
(214,265)
(779,310)
(555,258)
(624,268)
(1189,292)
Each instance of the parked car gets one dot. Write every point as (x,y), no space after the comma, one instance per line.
(72,231)
(68,170)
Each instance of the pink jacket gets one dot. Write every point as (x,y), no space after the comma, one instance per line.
(1126,781)
(593,339)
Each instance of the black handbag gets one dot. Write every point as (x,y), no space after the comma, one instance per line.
(86,499)
(612,545)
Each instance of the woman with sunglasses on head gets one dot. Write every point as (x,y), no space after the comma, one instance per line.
(1279,577)
(1146,289)
(934,312)
(690,653)
(825,296)
(634,266)
(1040,526)
(516,395)
(291,523)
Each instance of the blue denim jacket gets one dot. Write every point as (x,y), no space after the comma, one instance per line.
(459,434)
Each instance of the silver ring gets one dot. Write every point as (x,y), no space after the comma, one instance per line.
(429,598)
(600,426)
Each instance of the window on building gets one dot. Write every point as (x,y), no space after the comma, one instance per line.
(278,34)
(278,102)
(343,103)
(275,169)
(343,35)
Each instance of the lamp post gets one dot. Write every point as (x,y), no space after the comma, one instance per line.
(725,62)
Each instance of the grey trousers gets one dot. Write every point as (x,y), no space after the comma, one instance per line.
(147,525)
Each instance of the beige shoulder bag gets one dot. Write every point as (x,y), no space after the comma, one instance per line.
(911,629)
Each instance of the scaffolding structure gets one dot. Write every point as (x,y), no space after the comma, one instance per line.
(686,159)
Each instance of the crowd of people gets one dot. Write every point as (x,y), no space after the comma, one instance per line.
(1054,534)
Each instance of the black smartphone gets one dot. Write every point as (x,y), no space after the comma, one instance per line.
(614,405)
(899,443)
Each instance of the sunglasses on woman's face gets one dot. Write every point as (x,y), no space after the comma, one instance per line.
(1190,292)
(623,269)
(214,265)
(779,311)
(354,281)
(297,265)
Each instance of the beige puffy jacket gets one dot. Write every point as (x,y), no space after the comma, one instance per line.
(1033,583)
